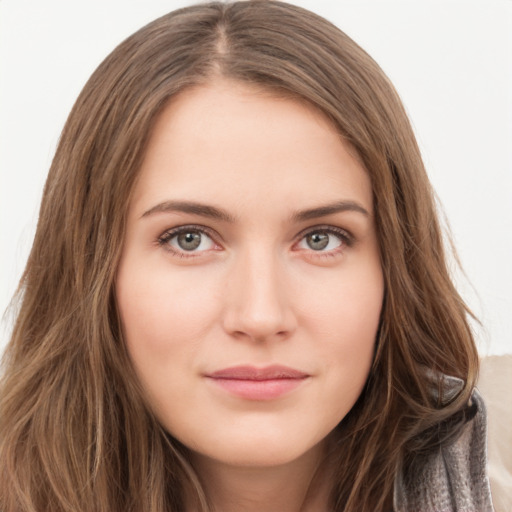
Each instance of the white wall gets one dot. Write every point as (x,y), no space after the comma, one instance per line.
(451,61)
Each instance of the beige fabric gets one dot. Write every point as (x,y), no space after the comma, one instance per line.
(495,386)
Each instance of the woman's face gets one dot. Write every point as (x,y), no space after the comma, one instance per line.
(250,285)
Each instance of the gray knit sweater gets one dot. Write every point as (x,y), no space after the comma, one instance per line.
(453,478)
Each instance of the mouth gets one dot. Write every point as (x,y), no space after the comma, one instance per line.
(251,383)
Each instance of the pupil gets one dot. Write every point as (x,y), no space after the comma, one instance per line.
(318,241)
(189,241)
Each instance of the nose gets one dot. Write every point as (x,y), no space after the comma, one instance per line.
(258,302)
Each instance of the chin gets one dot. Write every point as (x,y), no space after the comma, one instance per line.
(259,451)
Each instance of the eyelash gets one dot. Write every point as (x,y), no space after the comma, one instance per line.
(166,237)
(347,240)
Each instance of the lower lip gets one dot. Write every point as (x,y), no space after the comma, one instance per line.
(258,389)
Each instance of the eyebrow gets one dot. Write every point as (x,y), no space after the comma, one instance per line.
(216,213)
(329,209)
(191,207)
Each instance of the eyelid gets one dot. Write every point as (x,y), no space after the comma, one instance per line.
(346,237)
(169,234)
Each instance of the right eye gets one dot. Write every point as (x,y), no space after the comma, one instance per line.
(187,240)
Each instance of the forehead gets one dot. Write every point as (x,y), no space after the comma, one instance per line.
(236,144)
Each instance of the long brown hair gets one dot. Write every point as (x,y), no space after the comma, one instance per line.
(75,432)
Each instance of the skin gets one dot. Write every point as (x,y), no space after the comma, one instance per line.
(257,290)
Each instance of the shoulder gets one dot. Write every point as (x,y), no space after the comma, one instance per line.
(453,476)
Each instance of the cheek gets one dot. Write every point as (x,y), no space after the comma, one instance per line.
(160,309)
(344,321)
(165,317)
(347,306)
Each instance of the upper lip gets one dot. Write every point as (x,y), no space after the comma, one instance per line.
(273,372)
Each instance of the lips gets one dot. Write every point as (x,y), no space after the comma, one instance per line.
(253,383)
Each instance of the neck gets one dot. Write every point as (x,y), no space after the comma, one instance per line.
(298,486)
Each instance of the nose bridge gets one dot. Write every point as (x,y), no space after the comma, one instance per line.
(258,303)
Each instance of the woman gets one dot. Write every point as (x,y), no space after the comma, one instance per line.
(237,297)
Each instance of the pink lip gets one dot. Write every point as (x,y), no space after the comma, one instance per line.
(258,383)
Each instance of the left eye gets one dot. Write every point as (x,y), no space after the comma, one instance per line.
(187,240)
(321,240)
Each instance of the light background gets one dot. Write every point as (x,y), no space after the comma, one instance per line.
(451,61)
